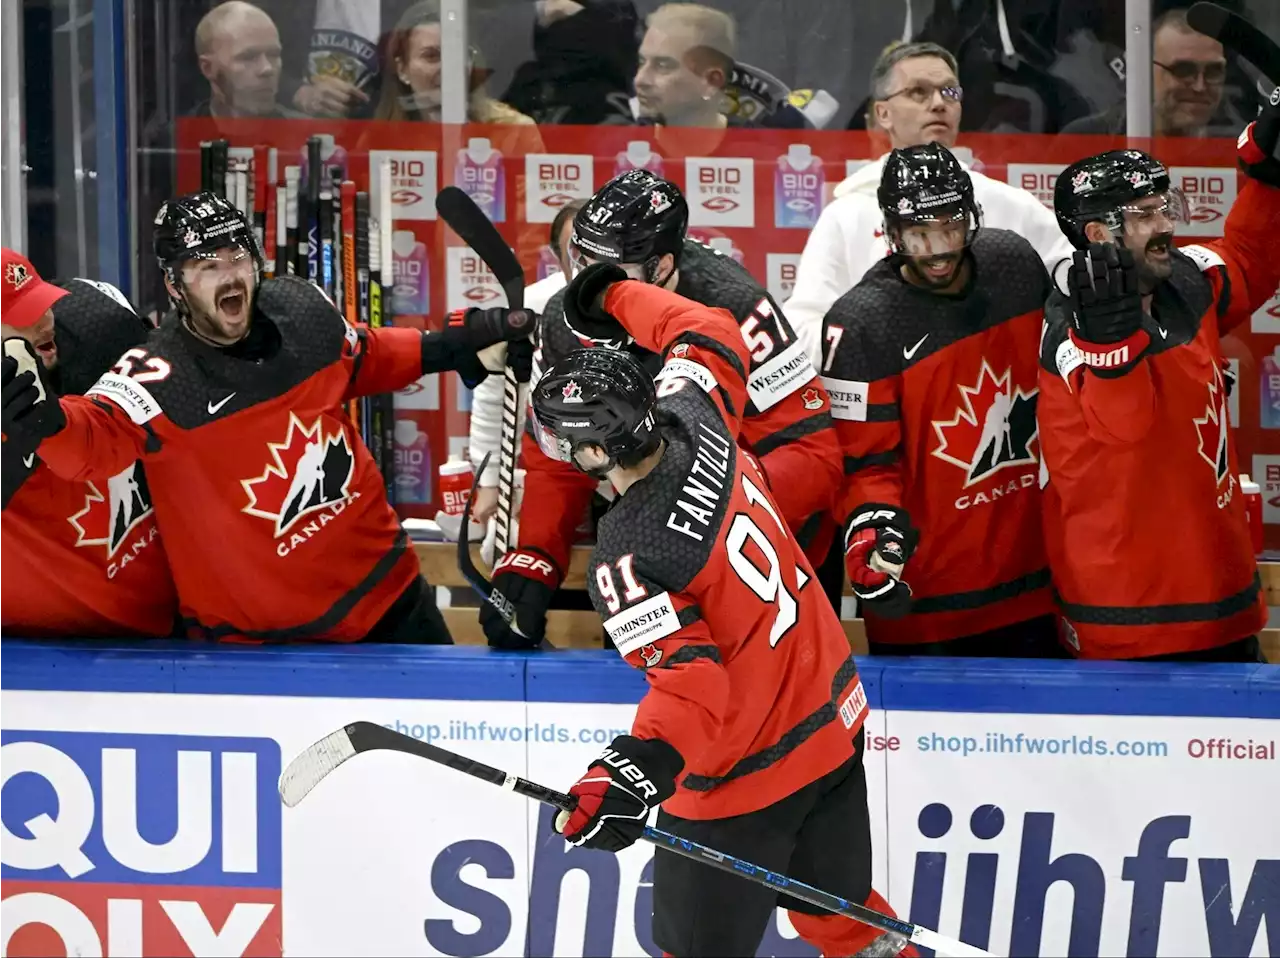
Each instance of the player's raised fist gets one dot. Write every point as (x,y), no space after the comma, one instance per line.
(584,306)
(480,339)
(30,411)
(1106,308)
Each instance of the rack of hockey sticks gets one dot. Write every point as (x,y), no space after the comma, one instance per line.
(317,225)
(311,766)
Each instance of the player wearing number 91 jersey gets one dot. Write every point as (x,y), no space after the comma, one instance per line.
(749,734)
(638,221)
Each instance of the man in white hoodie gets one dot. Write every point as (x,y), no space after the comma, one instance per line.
(915,100)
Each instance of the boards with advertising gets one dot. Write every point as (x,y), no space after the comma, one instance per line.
(753,194)
(1033,809)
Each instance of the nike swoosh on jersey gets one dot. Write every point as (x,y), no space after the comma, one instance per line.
(215,406)
(908,353)
(28,460)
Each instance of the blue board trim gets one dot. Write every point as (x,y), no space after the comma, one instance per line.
(478,674)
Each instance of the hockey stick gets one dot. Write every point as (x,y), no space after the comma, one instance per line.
(467,220)
(311,766)
(1238,35)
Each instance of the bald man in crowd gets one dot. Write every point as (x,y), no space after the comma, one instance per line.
(238,48)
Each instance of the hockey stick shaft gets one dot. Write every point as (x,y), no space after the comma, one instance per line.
(466,219)
(310,767)
(384,404)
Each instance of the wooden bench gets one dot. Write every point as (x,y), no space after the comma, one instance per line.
(582,629)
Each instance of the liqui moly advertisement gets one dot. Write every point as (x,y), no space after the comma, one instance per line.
(1027,835)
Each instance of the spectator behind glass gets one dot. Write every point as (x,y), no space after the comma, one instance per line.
(411,88)
(686,59)
(1188,72)
(238,48)
(584,59)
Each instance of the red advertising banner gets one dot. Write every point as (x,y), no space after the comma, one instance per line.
(753,193)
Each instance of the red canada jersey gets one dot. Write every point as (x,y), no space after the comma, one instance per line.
(702,585)
(1144,518)
(786,418)
(935,401)
(82,559)
(274,515)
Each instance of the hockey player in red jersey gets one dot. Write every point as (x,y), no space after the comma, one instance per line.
(1144,518)
(638,221)
(750,735)
(273,513)
(931,368)
(80,559)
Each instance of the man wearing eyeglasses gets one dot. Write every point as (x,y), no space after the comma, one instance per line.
(1189,72)
(916,99)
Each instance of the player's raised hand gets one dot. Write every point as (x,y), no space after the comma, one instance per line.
(479,340)
(617,791)
(1258,147)
(1106,307)
(30,411)
(878,543)
(584,306)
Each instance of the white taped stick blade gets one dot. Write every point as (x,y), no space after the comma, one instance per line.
(946,946)
(20,352)
(307,769)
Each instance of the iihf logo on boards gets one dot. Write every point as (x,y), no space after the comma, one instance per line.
(109,516)
(994,427)
(310,471)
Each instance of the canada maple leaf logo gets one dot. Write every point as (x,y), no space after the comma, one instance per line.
(311,469)
(110,515)
(994,427)
(1212,428)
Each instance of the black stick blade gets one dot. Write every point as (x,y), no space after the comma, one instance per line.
(466,219)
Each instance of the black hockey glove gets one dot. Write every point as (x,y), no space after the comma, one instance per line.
(584,306)
(466,336)
(1258,149)
(523,583)
(877,544)
(617,791)
(31,411)
(1106,309)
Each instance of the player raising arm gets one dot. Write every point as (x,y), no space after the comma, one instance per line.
(1133,410)
(932,375)
(273,512)
(750,735)
(638,221)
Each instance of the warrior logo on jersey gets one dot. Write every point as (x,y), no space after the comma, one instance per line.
(1212,428)
(108,518)
(310,470)
(993,428)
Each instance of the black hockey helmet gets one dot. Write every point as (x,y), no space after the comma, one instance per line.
(596,396)
(198,225)
(1098,188)
(925,184)
(634,218)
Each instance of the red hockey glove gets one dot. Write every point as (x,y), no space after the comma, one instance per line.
(616,793)
(1106,309)
(523,581)
(1258,148)
(877,544)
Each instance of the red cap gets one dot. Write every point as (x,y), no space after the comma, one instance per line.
(24,296)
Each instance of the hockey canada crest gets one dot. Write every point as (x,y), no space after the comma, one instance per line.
(113,511)
(17,275)
(571,392)
(994,427)
(1212,429)
(310,471)
(812,398)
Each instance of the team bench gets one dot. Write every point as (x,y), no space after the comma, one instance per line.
(582,630)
